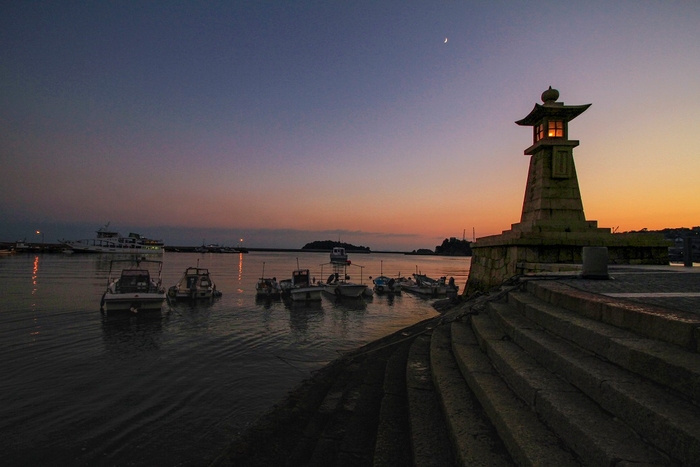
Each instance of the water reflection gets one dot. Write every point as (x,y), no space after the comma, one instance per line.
(303,314)
(348,303)
(266,301)
(35,274)
(126,334)
(388,298)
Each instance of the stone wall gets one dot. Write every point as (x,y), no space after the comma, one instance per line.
(498,258)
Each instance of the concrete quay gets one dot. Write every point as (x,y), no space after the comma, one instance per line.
(547,369)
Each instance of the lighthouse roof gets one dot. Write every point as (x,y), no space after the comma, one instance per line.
(551,108)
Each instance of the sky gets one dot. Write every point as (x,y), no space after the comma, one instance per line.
(387,124)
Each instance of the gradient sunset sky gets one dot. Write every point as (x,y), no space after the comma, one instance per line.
(388,124)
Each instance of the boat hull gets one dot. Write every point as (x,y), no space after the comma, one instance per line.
(193,295)
(133,302)
(79,247)
(345,290)
(305,294)
(386,285)
(425,290)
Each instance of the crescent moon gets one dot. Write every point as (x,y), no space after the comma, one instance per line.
(445,40)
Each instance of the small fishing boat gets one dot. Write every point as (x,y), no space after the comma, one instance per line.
(342,288)
(388,285)
(267,287)
(136,289)
(337,283)
(300,288)
(195,284)
(424,285)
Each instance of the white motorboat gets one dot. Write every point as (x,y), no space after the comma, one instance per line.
(337,283)
(110,241)
(344,289)
(195,284)
(300,288)
(136,289)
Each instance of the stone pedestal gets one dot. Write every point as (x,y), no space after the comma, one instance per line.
(500,257)
(595,262)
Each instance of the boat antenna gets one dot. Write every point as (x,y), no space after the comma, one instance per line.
(297,262)
(263,273)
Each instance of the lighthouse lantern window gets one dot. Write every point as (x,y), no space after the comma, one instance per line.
(555,129)
(539,132)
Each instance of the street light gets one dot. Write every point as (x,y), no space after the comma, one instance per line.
(42,236)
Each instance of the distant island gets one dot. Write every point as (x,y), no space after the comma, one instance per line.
(330,244)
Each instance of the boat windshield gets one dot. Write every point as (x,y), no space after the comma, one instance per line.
(134,280)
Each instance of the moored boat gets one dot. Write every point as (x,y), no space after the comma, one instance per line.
(341,288)
(267,287)
(300,288)
(424,285)
(110,241)
(337,283)
(136,289)
(195,283)
(388,285)
(338,255)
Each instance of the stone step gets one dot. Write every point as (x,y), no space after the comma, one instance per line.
(596,437)
(393,445)
(271,439)
(671,423)
(474,439)
(317,437)
(344,429)
(430,441)
(528,440)
(358,443)
(664,363)
(672,326)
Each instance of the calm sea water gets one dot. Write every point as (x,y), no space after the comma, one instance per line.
(171,388)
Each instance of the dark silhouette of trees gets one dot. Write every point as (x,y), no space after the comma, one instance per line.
(454,247)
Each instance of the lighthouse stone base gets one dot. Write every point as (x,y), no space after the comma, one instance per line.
(499,257)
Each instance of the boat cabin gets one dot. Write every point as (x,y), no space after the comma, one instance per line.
(338,255)
(301,278)
(133,281)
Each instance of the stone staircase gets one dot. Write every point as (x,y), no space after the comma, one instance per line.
(538,374)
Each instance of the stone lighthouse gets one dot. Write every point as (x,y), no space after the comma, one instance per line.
(553,228)
(552,196)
